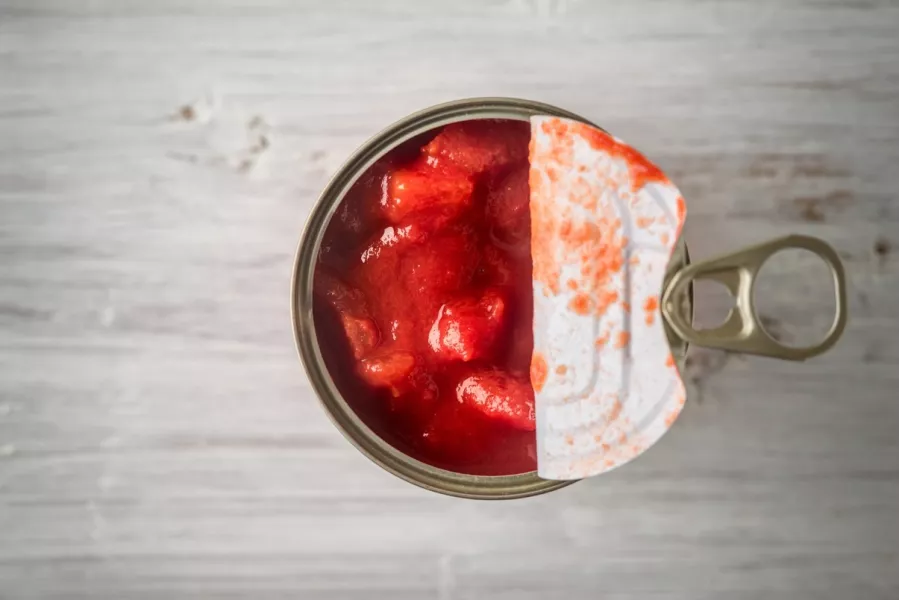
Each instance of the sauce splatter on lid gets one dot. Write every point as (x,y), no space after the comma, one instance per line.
(604,223)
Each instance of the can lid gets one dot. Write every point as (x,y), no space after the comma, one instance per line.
(604,224)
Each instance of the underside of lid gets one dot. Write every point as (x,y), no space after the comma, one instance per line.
(604,224)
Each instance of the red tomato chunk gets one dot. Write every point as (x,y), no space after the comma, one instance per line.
(423,300)
(499,396)
(467,329)
(423,187)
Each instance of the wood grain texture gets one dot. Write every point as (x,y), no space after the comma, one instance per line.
(158,438)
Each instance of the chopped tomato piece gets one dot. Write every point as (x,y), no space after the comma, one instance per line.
(387,369)
(468,328)
(352,311)
(378,263)
(421,187)
(479,145)
(421,225)
(508,209)
(412,388)
(501,397)
(361,332)
(443,265)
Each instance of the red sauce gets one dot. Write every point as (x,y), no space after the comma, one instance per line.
(423,299)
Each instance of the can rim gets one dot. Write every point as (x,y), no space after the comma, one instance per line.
(338,409)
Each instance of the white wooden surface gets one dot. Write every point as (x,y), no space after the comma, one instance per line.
(158,438)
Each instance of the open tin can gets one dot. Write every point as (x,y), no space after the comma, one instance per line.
(741,332)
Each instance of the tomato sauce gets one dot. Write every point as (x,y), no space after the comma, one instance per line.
(423,298)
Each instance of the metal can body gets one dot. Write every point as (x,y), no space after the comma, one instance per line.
(343,416)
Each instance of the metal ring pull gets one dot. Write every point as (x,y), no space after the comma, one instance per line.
(742,331)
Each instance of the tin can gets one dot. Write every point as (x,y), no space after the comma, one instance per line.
(742,331)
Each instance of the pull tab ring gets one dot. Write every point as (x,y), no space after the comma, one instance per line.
(742,331)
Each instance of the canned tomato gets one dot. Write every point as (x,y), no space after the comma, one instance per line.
(413,298)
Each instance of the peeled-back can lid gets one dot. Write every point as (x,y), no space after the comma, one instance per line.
(604,224)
